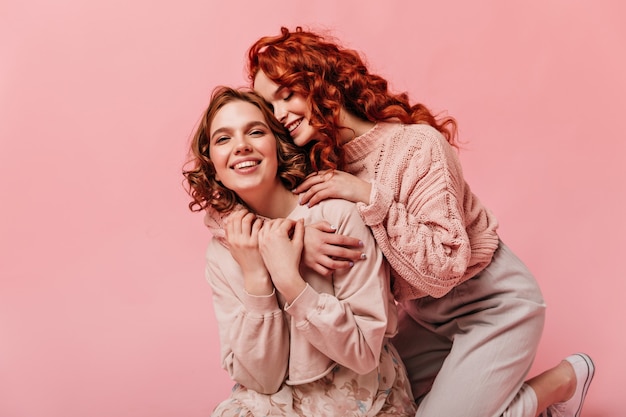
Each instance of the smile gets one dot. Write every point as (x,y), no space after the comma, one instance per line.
(245,164)
(294,125)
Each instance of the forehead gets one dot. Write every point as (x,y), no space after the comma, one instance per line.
(264,86)
(236,114)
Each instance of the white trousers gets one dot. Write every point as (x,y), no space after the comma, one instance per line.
(468,353)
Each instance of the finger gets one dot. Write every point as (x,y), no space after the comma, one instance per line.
(304,186)
(256,227)
(311,180)
(333,265)
(343,254)
(307,195)
(343,240)
(298,232)
(286,226)
(263,230)
(324,226)
(246,222)
(236,219)
(320,269)
(320,194)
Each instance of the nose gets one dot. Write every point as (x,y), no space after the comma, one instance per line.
(242,146)
(280,111)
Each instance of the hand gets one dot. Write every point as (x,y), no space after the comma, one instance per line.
(326,251)
(333,184)
(242,230)
(281,242)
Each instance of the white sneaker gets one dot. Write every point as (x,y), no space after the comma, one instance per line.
(584,369)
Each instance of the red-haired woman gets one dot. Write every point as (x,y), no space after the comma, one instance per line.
(471,314)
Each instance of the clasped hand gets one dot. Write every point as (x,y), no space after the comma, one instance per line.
(268,252)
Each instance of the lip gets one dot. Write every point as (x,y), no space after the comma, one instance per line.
(294,125)
(245,163)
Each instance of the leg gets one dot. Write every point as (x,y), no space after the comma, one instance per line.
(561,390)
(422,351)
(494,323)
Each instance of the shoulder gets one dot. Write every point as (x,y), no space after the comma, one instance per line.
(344,215)
(423,135)
(402,139)
(334,211)
(336,207)
(216,250)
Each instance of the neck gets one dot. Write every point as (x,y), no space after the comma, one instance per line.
(354,126)
(278,204)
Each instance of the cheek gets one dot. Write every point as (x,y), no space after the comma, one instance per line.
(219,161)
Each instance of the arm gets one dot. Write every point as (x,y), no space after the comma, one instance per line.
(417,207)
(252,329)
(324,250)
(350,325)
(420,219)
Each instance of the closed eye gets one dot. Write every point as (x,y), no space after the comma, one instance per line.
(221,139)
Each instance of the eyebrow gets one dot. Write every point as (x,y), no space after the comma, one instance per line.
(247,127)
(279,90)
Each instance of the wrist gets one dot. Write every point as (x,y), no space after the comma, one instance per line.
(258,284)
(290,291)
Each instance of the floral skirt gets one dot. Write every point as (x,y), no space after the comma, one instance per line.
(383,392)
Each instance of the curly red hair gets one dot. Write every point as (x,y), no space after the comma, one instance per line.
(331,77)
(204,189)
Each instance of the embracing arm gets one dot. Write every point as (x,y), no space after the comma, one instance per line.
(325,250)
(420,213)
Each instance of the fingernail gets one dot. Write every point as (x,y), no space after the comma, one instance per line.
(332,226)
(360,243)
(351,264)
(363,256)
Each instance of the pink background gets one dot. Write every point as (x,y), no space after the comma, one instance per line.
(104,310)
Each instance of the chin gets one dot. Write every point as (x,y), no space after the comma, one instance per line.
(303,139)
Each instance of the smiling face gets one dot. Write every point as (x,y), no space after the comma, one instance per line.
(243,151)
(290,109)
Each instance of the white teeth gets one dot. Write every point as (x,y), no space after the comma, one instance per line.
(245,164)
(294,125)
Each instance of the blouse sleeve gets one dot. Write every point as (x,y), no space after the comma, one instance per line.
(253,331)
(350,325)
(417,213)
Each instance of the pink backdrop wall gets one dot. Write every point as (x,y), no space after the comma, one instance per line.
(104,310)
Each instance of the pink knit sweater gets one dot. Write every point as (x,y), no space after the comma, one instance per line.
(433,230)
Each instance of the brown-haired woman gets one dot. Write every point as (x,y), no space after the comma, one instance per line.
(296,342)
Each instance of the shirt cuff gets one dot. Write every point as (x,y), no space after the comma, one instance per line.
(261,303)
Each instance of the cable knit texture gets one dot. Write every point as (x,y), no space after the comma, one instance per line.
(433,230)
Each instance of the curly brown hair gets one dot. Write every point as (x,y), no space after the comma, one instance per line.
(202,186)
(330,78)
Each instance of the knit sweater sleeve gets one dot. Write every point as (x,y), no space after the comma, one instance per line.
(253,331)
(420,210)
